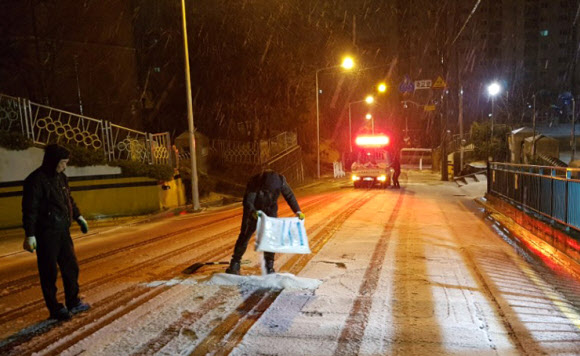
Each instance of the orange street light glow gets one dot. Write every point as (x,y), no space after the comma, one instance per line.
(347,63)
(382,87)
(375,141)
(369,116)
(369,99)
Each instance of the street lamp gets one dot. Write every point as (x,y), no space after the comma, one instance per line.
(382,87)
(347,63)
(493,89)
(369,100)
(194,191)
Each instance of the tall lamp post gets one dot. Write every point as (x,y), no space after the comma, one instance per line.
(369,100)
(194,191)
(493,89)
(348,64)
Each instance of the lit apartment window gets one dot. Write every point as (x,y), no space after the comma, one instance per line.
(544,33)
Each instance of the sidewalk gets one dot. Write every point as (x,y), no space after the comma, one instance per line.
(11,239)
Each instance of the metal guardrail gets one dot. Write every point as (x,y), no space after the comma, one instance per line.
(553,192)
(44,124)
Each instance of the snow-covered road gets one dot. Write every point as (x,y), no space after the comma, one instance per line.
(412,272)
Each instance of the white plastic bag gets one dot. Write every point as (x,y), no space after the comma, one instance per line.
(281,235)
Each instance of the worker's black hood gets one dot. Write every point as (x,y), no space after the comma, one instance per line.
(52,156)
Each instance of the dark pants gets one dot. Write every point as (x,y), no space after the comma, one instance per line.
(396,175)
(248,228)
(56,248)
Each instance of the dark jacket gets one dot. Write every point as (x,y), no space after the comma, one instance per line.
(46,200)
(263,190)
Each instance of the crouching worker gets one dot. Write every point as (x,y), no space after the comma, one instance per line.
(262,192)
(47,212)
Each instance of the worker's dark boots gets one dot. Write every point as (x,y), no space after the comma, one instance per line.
(269,264)
(234,267)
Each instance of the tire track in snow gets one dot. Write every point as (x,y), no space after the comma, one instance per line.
(169,333)
(486,290)
(351,338)
(86,287)
(17,285)
(174,330)
(30,281)
(226,336)
(98,316)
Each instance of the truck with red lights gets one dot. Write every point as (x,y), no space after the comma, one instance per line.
(372,165)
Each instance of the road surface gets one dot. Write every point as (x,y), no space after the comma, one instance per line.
(415,271)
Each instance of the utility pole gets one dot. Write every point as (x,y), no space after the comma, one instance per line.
(460,114)
(194,191)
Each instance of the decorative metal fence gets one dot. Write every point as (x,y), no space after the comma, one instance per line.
(11,114)
(44,124)
(553,192)
(255,152)
(289,164)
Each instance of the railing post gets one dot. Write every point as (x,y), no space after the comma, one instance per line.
(149,144)
(488,177)
(568,177)
(107,141)
(553,174)
(539,197)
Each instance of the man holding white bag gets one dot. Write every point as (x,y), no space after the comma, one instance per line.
(262,192)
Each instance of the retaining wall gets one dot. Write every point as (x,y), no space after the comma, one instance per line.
(563,239)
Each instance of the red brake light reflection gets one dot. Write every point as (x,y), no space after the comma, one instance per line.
(372,140)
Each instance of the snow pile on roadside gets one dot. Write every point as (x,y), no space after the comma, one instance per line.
(270,281)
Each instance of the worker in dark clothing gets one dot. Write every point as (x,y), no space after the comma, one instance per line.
(47,212)
(262,192)
(396,166)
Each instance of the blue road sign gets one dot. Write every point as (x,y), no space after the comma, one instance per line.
(407,85)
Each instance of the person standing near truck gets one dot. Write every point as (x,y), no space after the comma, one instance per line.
(396,166)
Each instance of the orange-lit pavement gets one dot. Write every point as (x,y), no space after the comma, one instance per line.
(392,272)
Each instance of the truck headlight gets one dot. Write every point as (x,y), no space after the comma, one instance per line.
(382,178)
(355,177)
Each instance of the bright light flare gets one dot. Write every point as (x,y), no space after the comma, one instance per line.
(369,99)
(369,116)
(372,141)
(382,87)
(493,89)
(347,63)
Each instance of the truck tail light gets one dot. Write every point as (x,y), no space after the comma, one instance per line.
(372,141)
